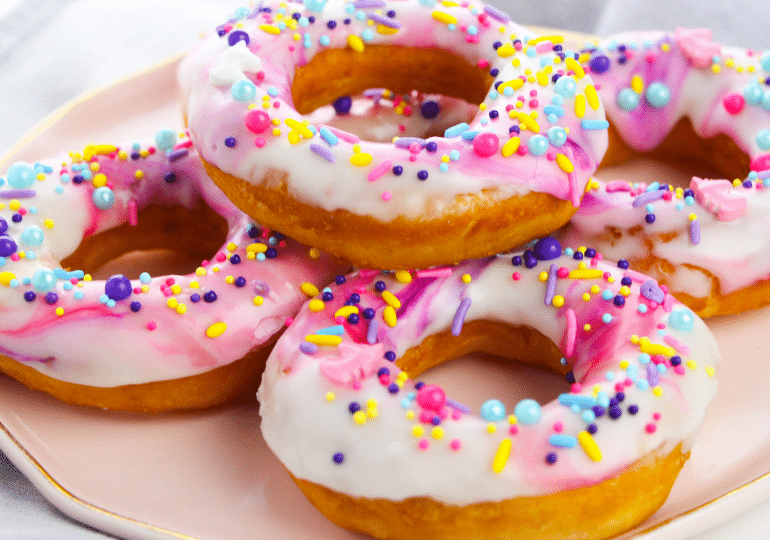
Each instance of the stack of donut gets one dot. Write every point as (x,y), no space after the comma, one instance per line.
(423,217)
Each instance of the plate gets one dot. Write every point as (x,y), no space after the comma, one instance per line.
(209,475)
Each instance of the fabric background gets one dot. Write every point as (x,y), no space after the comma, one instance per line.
(52,51)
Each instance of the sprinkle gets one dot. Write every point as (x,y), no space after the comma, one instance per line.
(377,172)
(17,193)
(502,455)
(328,136)
(562,441)
(323,152)
(434,272)
(299,127)
(459,318)
(648,197)
(444,17)
(511,146)
(580,105)
(309,348)
(676,344)
(652,374)
(361,159)
(572,65)
(550,289)
(345,311)
(309,289)
(391,299)
(571,331)
(344,135)
(496,14)
(586,273)
(335,330)
(589,446)
(655,348)
(695,232)
(582,401)
(594,124)
(371,332)
(403,276)
(389,314)
(356,43)
(456,130)
(270,29)
(564,163)
(326,340)
(216,329)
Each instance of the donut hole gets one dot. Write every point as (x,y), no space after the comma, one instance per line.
(166,240)
(680,156)
(489,360)
(343,72)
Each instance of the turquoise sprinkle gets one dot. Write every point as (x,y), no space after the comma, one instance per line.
(444,167)
(588,416)
(64,178)
(2,261)
(324,40)
(763,139)
(557,136)
(349,8)
(327,135)
(406,403)
(103,198)
(682,319)
(644,359)
(610,376)
(607,295)
(144,277)
(165,138)
(753,93)
(606,318)
(454,155)
(67,286)
(473,30)
(335,330)
(304,22)
(494,94)
(562,441)
(30,255)
(451,27)
(765,60)
(456,130)
(508,91)
(26,281)
(272,91)
(594,124)
(367,35)
(642,384)
(13,283)
(78,294)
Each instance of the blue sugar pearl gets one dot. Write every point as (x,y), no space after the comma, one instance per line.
(422,175)
(230,142)
(240,281)
(494,114)
(43,280)
(578,256)
(78,179)
(170,178)
(354,407)
(118,287)
(32,236)
(397,170)
(547,249)
(551,458)
(390,356)
(339,280)
(195,298)
(620,396)
(565,87)
(598,410)
(21,175)
(530,262)
(338,458)
(527,411)
(380,286)
(657,95)
(165,138)
(135,306)
(557,136)
(393,388)
(570,378)
(342,105)
(682,319)
(29,296)
(103,198)
(210,296)
(254,231)
(235,259)
(51,297)
(418,385)
(538,145)
(493,410)
(430,109)
(436,420)
(243,90)
(369,314)
(627,99)
(331,25)
(633,409)
(590,253)
(355,298)
(271,253)
(619,300)
(327,296)
(353,318)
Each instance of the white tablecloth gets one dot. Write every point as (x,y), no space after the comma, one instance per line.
(52,51)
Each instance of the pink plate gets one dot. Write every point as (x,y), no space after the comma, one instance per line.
(209,476)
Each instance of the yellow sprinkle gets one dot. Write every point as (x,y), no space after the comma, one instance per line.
(195,285)
(466,278)
(172,303)
(314,253)
(512,419)
(122,155)
(445,18)
(344,311)
(402,376)
(529,122)
(504,51)
(309,289)
(6,277)
(99,180)
(657,391)
(229,280)
(589,446)
(14,204)
(491,428)
(625,291)
(87,277)
(216,329)
(256,247)
(389,314)
(716,68)
(403,276)
(59,311)
(361,159)
(710,371)
(586,297)
(92,150)
(572,65)
(553,39)
(296,36)
(139,175)
(176,289)
(542,78)
(543,276)
(270,29)
(437,433)
(144,153)
(634,339)
(316,305)
(564,163)
(410,415)
(301,128)
(181,309)
(637,84)
(624,364)
(372,412)
(48,224)
(145,288)
(558,301)
(502,455)
(391,299)
(592,96)
(359,417)
(232,246)
(586,273)
(655,348)
(386,30)
(692,364)
(294,137)
(417,431)
(258,300)
(510,146)
(326,340)
(580,105)
(586,327)
(356,43)
(330,396)
(276,132)
(595,289)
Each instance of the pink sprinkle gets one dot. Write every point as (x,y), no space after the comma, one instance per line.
(260,75)
(205,262)
(619,387)
(15,257)
(401,128)
(423,444)
(407,111)
(513,430)
(221,257)
(138,290)
(445,271)
(289,320)
(533,103)
(563,272)
(260,142)
(133,213)
(558,427)
(679,370)
(356,385)
(544,47)
(413,157)
(518,46)
(276,104)
(385,379)
(152,325)
(551,155)
(483,63)
(456,414)
(344,135)
(650,428)
(635,276)
(23,211)
(386,196)
(617,185)
(414,148)
(367,273)
(734,103)
(170,281)
(571,331)
(667,195)
(650,57)
(675,343)
(377,172)
(167,293)
(516,276)
(74,280)
(656,416)
(455,444)
(576,388)
(595,261)
(628,382)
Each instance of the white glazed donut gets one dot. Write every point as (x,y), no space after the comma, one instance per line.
(378,452)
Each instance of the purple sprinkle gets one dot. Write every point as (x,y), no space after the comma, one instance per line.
(371,332)
(406,142)
(458,406)
(648,197)
(650,290)
(17,193)
(652,374)
(366,4)
(462,310)
(695,232)
(384,21)
(308,348)
(496,14)
(323,152)
(550,288)
(178,154)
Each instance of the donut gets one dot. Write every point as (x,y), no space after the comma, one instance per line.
(515,172)
(380,452)
(702,108)
(148,343)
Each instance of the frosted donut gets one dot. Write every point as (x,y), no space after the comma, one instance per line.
(156,342)
(515,172)
(693,103)
(378,452)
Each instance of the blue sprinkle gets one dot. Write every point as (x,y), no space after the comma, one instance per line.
(456,130)
(562,441)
